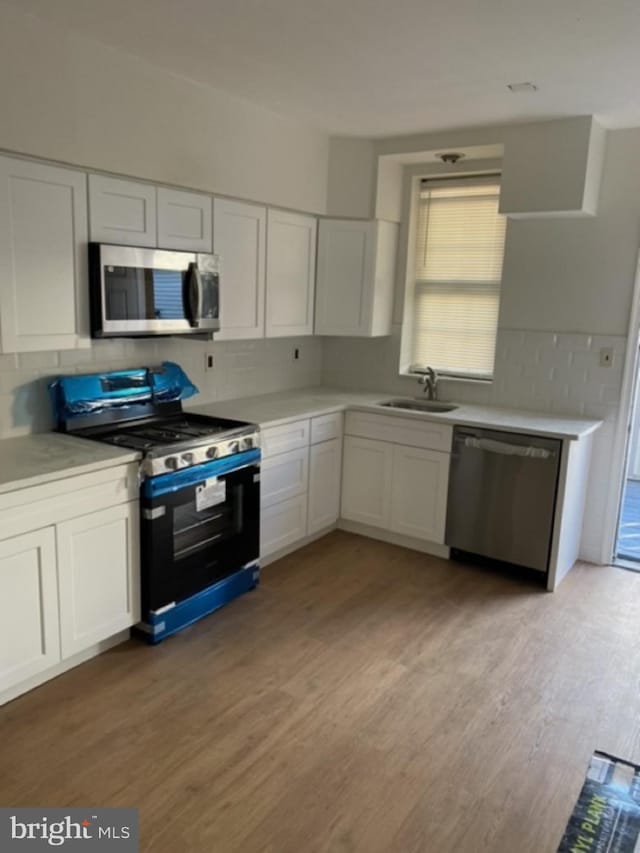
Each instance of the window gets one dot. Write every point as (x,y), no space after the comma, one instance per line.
(458,267)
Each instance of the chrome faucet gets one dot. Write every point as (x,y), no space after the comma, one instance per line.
(430,381)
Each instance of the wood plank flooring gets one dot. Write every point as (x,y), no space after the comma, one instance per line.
(364,699)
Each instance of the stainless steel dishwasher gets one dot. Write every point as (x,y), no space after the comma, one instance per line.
(502,495)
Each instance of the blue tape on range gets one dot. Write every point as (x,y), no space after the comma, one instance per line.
(91,393)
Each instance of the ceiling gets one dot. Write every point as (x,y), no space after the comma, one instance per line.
(385,67)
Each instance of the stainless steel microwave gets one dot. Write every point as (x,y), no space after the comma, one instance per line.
(137,292)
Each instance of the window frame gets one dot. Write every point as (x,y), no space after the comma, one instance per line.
(411,368)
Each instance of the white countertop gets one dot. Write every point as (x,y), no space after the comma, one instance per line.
(31,460)
(281,407)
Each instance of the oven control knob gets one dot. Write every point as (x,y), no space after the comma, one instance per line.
(171,462)
(234,446)
(187,458)
(247,443)
(212,452)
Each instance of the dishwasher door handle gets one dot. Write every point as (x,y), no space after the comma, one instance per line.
(503,449)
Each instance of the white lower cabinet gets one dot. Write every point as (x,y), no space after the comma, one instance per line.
(419,485)
(97,576)
(29,633)
(401,488)
(284,476)
(300,483)
(282,524)
(325,467)
(74,580)
(366,481)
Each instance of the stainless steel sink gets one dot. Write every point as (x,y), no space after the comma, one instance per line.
(420,405)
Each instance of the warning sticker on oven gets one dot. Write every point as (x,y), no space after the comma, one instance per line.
(213,491)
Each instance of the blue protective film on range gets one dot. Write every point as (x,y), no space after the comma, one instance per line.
(91,393)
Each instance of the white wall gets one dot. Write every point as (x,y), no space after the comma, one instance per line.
(567,290)
(351,177)
(66,98)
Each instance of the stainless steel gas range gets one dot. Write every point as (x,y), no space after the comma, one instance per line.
(199,491)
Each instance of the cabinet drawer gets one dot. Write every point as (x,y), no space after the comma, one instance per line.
(282,524)
(284,476)
(280,439)
(326,427)
(51,503)
(409,431)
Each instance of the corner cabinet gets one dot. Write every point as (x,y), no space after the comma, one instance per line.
(43,257)
(291,260)
(356,277)
(239,237)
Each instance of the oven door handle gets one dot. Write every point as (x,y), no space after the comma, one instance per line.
(192,295)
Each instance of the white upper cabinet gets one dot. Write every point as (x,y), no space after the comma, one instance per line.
(291,257)
(239,238)
(356,274)
(122,212)
(184,220)
(43,257)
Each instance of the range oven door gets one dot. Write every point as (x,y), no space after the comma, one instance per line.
(136,291)
(198,525)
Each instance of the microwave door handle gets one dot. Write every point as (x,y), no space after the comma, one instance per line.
(192,295)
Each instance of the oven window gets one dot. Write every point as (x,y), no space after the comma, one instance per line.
(195,529)
(143,293)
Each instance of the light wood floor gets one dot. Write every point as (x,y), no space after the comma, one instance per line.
(365,698)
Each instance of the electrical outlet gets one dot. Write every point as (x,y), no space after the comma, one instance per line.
(296,354)
(606,357)
(208,361)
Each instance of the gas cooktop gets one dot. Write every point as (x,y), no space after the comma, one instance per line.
(169,444)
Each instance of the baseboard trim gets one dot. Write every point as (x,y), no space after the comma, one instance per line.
(265,560)
(63,666)
(433,548)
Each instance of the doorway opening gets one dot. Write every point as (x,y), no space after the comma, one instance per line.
(627,548)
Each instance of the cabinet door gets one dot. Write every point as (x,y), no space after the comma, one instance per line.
(29,636)
(239,237)
(291,261)
(366,481)
(325,469)
(356,277)
(43,257)
(98,576)
(345,276)
(282,524)
(419,492)
(122,211)
(284,476)
(184,221)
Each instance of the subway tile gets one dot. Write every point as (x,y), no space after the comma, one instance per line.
(37,360)
(573,342)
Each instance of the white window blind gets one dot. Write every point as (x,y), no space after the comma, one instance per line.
(459,251)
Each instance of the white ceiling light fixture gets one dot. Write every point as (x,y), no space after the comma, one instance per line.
(517,88)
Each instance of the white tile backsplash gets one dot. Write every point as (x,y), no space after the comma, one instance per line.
(241,368)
